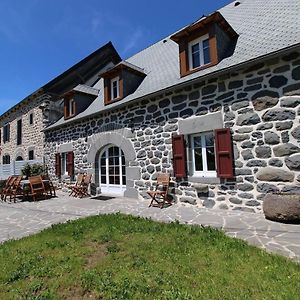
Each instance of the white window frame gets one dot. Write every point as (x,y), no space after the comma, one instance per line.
(205,172)
(71,107)
(116,79)
(64,169)
(191,44)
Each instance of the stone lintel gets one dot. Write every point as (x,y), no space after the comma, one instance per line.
(201,123)
(65,148)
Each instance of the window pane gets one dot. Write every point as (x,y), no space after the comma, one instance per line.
(196,60)
(198,159)
(110,151)
(111,180)
(124,180)
(209,140)
(197,141)
(210,156)
(103,179)
(206,52)
(117,180)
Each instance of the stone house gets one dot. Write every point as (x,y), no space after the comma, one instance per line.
(216,105)
(21,135)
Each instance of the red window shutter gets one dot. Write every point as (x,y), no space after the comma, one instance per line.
(224,155)
(57,164)
(70,163)
(179,156)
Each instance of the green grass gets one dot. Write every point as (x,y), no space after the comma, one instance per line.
(122,257)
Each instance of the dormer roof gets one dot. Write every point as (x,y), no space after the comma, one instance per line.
(204,22)
(121,66)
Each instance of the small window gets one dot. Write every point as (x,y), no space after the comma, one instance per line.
(6,133)
(6,159)
(115,93)
(19,132)
(199,52)
(19,158)
(31,119)
(202,155)
(31,154)
(70,109)
(64,170)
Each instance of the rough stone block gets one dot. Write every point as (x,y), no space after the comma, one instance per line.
(275,174)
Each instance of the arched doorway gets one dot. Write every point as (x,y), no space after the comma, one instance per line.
(112,171)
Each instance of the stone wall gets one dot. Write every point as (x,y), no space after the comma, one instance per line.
(32,137)
(261,106)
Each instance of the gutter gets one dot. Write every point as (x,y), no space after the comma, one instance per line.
(188,82)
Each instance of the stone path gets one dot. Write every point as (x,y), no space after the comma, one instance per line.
(25,218)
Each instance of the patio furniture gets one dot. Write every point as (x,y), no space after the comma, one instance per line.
(82,190)
(14,189)
(7,186)
(160,194)
(78,183)
(49,186)
(37,187)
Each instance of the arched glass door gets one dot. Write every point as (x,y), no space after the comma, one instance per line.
(112,171)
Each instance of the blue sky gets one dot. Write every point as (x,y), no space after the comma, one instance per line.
(40,39)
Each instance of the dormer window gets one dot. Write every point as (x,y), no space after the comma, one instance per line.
(204,43)
(120,81)
(69,108)
(115,88)
(199,52)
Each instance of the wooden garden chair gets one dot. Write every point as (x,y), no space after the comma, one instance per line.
(6,188)
(14,189)
(49,186)
(82,190)
(160,194)
(37,187)
(78,183)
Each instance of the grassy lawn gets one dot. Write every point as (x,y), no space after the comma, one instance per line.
(122,257)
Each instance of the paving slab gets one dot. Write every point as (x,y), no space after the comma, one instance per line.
(25,218)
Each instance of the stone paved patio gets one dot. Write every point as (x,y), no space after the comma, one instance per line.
(25,218)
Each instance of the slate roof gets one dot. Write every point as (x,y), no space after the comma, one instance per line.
(77,74)
(263,26)
(85,89)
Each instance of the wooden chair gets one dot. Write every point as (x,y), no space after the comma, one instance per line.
(14,189)
(49,186)
(160,194)
(78,183)
(37,187)
(82,190)
(6,188)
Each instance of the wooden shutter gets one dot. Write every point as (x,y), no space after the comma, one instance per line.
(224,155)
(57,164)
(179,156)
(70,163)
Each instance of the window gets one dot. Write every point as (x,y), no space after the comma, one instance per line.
(19,132)
(31,154)
(70,108)
(114,88)
(6,159)
(31,119)
(6,133)
(202,155)
(64,170)
(199,52)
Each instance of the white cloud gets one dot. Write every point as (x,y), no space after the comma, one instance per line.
(133,40)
